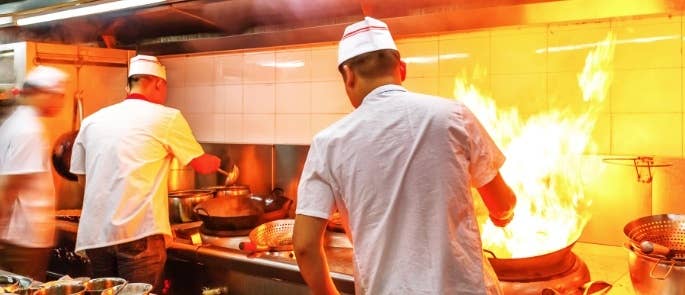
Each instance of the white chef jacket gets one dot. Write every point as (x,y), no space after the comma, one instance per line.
(24,150)
(399,169)
(125,151)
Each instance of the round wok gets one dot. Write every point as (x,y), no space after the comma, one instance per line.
(229,213)
(535,267)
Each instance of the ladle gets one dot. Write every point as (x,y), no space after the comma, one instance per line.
(231,177)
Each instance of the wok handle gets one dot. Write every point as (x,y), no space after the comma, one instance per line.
(490,252)
(198,209)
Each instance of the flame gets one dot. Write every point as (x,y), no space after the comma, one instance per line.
(543,164)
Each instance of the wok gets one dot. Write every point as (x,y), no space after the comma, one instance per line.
(229,213)
(61,151)
(535,267)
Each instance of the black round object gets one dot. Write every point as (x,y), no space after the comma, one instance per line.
(61,155)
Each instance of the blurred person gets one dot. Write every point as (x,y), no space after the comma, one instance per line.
(399,169)
(122,155)
(27,193)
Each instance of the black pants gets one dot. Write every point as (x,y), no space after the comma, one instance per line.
(139,261)
(28,262)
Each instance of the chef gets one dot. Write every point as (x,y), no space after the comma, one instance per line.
(27,194)
(122,154)
(399,169)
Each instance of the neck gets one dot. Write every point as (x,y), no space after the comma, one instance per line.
(366,86)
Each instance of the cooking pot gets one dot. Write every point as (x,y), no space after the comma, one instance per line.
(180,177)
(181,204)
(229,213)
(657,273)
(539,267)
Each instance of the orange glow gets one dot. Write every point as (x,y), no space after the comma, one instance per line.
(543,164)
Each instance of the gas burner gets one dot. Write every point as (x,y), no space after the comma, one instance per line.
(224,233)
(570,282)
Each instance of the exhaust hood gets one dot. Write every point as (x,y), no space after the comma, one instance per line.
(178,27)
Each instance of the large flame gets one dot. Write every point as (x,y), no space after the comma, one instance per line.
(543,167)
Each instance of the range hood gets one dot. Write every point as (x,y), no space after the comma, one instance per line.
(179,27)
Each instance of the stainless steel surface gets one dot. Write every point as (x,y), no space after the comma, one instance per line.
(289,162)
(254,162)
(182,203)
(667,230)
(180,177)
(651,275)
(179,26)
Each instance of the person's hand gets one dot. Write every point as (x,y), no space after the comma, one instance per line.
(502,221)
(206,164)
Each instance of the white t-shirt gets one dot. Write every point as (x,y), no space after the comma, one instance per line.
(125,151)
(23,150)
(399,169)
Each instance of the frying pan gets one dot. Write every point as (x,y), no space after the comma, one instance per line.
(61,151)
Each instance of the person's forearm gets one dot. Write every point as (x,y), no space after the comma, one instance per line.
(314,270)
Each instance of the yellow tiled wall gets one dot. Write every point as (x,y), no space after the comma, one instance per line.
(286,95)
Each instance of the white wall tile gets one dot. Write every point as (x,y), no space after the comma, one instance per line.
(294,98)
(219,123)
(421,57)
(330,98)
(202,126)
(258,67)
(232,98)
(200,99)
(647,134)
(175,71)
(293,129)
(322,121)
(175,96)
(662,41)
(259,99)
(259,129)
(199,70)
(229,68)
(324,66)
(293,65)
(233,128)
(519,53)
(646,91)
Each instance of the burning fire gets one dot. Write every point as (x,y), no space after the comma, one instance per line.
(543,166)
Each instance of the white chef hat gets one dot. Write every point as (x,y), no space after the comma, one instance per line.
(364,36)
(146,65)
(47,79)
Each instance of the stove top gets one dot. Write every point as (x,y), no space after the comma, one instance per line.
(570,282)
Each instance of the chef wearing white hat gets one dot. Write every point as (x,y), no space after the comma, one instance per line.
(399,169)
(122,153)
(27,199)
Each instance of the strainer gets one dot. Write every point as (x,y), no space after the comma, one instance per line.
(666,229)
(274,235)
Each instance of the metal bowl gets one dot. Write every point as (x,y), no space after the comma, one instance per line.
(62,288)
(181,204)
(96,286)
(129,289)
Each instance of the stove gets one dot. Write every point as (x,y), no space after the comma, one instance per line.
(569,282)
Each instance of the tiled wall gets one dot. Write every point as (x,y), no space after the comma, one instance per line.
(286,95)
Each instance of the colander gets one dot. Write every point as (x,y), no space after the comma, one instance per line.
(667,230)
(274,235)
